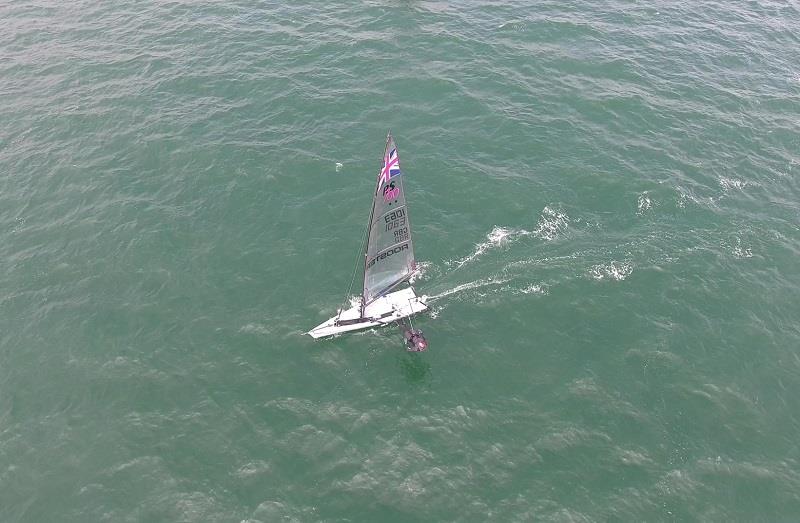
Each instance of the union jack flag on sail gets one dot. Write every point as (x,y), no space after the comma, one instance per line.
(391,165)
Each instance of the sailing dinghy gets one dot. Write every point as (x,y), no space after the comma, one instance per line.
(388,259)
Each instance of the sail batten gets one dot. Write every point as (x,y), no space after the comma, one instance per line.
(389,255)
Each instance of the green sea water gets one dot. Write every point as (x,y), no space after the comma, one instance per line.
(606,210)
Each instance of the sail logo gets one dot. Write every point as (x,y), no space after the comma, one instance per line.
(390,252)
(390,192)
(391,166)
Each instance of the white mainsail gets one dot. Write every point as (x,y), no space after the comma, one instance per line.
(389,256)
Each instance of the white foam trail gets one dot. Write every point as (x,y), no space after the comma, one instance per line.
(682,197)
(551,224)
(533,289)
(615,270)
(643,204)
(731,183)
(498,236)
(548,260)
(467,286)
(420,272)
(741,252)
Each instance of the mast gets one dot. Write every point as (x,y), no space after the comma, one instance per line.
(369,227)
(366,248)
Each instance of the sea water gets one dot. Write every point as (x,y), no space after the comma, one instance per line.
(604,200)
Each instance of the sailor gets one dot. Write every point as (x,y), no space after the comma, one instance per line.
(415,340)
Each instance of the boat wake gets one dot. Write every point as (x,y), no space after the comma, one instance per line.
(497,237)
(467,286)
(551,225)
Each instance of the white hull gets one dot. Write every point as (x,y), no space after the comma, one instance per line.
(386,309)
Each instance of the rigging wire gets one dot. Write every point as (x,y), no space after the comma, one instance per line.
(355,266)
(364,240)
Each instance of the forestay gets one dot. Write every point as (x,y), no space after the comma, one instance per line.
(389,258)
